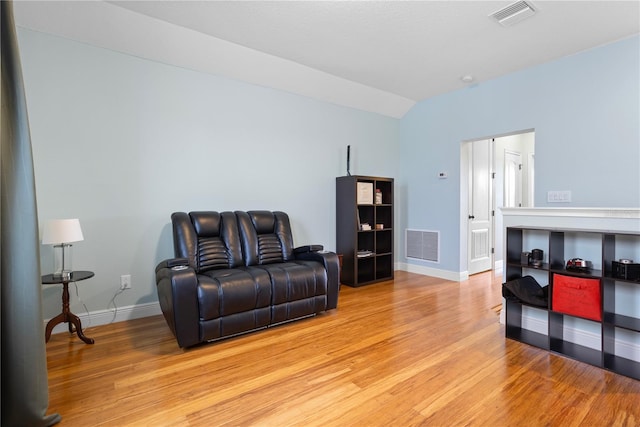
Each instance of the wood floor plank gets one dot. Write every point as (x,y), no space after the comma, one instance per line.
(413,351)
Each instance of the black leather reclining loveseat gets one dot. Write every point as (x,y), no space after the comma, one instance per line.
(239,271)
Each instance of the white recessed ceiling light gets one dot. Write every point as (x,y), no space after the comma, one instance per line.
(467,78)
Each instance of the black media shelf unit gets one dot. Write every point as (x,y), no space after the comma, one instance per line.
(367,255)
(561,244)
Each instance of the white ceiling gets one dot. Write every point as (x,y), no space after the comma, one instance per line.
(379,56)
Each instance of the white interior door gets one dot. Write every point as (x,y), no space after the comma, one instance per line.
(480,208)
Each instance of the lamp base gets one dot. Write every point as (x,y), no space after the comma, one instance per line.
(62,261)
(62,275)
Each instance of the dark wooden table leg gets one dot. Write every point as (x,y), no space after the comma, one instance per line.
(75,320)
(53,322)
(67,316)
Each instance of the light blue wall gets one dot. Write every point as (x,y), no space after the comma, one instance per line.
(585,110)
(121,143)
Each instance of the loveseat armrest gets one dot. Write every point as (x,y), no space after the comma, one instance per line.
(173,262)
(331,264)
(177,286)
(308,248)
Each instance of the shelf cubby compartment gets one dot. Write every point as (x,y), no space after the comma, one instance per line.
(384,266)
(558,342)
(586,245)
(384,242)
(386,187)
(514,328)
(617,356)
(621,299)
(366,215)
(521,240)
(384,216)
(366,269)
(366,241)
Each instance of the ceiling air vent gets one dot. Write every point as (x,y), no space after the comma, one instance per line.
(514,13)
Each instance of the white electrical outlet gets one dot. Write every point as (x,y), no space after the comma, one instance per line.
(125,281)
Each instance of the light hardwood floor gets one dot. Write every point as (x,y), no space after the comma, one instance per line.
(414,351)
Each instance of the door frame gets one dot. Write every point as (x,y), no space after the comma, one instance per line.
(464,204)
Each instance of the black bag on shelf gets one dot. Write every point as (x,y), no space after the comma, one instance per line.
(527,290)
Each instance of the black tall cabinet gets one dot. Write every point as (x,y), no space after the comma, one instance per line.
(364,228)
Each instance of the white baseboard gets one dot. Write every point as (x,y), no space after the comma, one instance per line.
(434,272)
(498,268)
(443,274)
(104,317)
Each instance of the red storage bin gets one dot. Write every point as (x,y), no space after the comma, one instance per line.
(577,296)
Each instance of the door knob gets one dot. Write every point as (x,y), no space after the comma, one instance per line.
(472,217)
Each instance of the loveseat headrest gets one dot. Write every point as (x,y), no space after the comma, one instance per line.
(263,221)
(265,236)
(208,239)
(206,224)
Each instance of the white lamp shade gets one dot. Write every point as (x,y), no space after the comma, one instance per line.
(57,231)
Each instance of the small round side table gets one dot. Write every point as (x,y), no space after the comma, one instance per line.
(67,315)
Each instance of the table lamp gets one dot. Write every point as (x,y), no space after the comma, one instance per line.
(61,233)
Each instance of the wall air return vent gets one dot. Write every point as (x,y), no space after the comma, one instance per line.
(514,13)
(423,244)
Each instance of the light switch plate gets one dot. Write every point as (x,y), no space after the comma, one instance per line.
(555,196)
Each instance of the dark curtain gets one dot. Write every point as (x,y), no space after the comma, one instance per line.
(25,395)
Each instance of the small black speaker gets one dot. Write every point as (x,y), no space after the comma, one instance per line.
(626,269)
(536,257)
